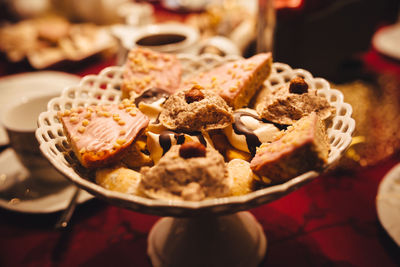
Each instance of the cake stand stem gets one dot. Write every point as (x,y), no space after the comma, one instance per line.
(229,240)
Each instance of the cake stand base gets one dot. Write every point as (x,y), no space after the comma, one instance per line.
(230,240)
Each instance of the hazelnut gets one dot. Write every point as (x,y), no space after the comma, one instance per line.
(192,150)
(298,86)
(194,94)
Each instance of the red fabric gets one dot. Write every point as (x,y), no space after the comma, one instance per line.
(331,221)
(378,63)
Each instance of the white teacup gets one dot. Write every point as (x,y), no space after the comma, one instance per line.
(164,37)
(19,119)
(168,38)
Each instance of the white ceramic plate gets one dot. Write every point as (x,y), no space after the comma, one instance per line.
(90,91)
(387,41)
(24,84)
(388,203)
(21,193)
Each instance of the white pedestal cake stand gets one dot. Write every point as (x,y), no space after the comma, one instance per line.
(228,240)
(212,232)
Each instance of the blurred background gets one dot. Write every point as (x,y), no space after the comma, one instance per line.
(352,43)
(323,36)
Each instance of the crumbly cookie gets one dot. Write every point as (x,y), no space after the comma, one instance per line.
(195,109)
(293,101)
(186,172)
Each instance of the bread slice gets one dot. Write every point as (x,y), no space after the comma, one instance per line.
(236,82)
(146,69)
(101,135)
(302,148)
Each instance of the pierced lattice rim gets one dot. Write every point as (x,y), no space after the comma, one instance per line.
(103,88)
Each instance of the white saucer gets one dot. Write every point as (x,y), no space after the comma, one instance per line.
(24,84)
(388,203)
(387,41)
(21,193)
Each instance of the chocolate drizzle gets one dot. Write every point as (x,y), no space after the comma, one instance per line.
(180,138)
(277,125)
(201,138)
(239,128)
(151,95)
(165,139)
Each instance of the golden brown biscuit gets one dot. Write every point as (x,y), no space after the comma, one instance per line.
(242,177)
(302,148)
(119,179)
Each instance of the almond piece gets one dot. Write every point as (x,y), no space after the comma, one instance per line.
(194,94)
(192,150)
(298,86)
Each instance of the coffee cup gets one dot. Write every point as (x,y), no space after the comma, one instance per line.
(19,119)
(164,37)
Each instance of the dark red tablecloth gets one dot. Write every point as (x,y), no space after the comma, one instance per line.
(331,221)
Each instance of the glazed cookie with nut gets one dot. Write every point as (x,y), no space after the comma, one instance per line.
(101,135)
(195,109)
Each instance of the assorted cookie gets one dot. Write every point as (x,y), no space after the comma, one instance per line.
(192,140)
(189,171)
(101,135)
(236,82)
(292,102)
(303,147)
(195,109)
(146,69)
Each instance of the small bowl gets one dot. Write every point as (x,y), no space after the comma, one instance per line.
(20,121)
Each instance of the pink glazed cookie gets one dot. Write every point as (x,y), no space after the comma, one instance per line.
(101,135)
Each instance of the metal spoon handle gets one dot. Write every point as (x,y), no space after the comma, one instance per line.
(65,218)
